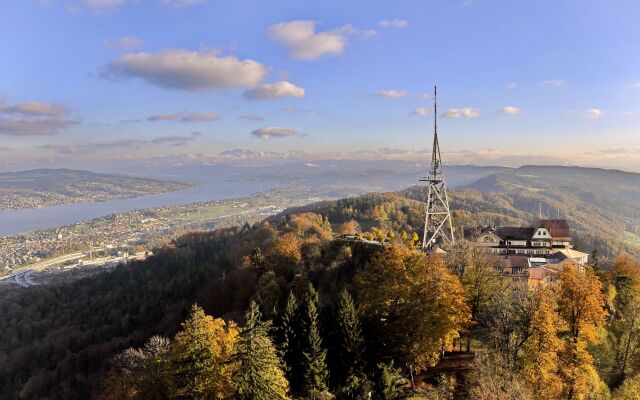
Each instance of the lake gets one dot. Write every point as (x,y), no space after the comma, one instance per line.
(211,188)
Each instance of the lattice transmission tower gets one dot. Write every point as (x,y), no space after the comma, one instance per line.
(437,222)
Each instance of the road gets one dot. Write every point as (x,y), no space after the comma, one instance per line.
(24,276)
(40,265)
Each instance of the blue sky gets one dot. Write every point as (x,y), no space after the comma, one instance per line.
(543,81)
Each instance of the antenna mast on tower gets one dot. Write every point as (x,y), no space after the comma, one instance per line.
(437,222)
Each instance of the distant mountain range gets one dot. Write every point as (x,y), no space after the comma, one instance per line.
(47,187)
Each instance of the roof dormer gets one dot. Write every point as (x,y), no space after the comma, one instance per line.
(541,233)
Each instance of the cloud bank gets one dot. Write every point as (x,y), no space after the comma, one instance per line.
(461,113)
(511,110)
(187,70)
(304,43)
(275,132)
(273,91)
(33,118)
(185,117)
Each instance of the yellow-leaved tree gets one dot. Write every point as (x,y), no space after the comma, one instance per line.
(540,351)
(413,306)
(200,358)
(581,306)
(284,254)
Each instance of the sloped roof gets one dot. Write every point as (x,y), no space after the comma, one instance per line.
(475,232)
(565,255)
(514,233)
(558,228)
(517,261)
(541,272)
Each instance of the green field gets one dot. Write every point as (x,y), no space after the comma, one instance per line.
(204,213)
(632,239)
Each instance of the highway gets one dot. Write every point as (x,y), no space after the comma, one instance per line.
(40,265)
(25,276)
(22,278)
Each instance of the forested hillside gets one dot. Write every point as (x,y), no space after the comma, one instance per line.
(332,317)
(593,227)
(602,206)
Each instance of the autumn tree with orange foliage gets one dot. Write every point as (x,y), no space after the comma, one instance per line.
(413,306)
(581,306)
(284,254)
(350,227)
(309,224)
(540,352)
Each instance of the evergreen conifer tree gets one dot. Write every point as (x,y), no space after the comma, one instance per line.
(316,374)
(288,332)
(200,358)
(352,346)
(259,376)
(391,385)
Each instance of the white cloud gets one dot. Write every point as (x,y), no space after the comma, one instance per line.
(28,126)
(304,42)
(420,111)
(35,108)
(352,30)
(252,117)
(162,117)
(461,112)
(187,70)
(185,117)
(592,113)
(511,110)
(35,119)
(200,117)
(126,42)
(628,114)
(511,85)
(392,93)
(274,131)
(272,91)
(394,23)
(553,82)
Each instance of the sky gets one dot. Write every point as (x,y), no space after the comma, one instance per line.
(546,82)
